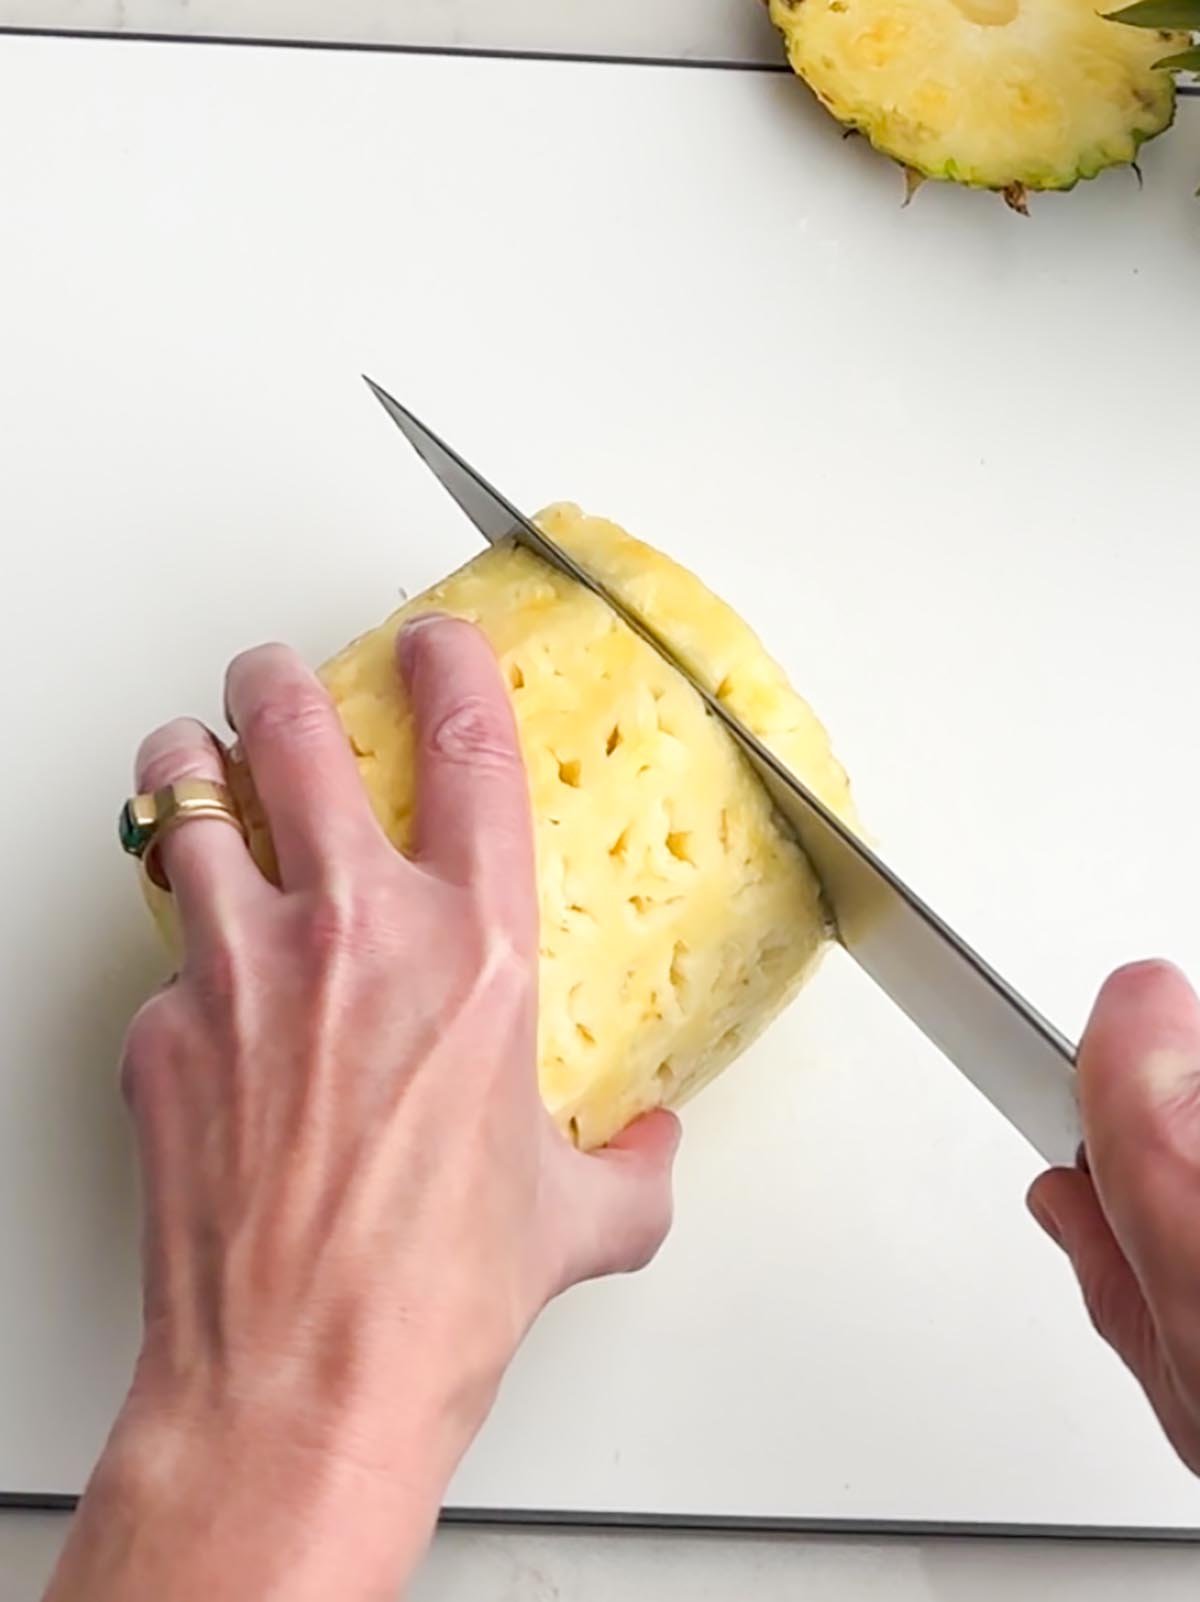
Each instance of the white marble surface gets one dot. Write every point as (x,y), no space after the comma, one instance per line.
(703,30)
(478,1565)
(526,1566)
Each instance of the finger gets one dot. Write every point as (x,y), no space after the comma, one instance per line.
(626,1208)
(1065,1204)
(473,817)
(1139,1081)
(204,860)
(302,765)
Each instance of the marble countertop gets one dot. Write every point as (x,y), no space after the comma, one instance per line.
(470,1565)
(538,1566)
(699,30)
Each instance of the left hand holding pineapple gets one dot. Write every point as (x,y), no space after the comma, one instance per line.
(356,1202)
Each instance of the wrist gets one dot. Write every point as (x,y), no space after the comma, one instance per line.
(295,1499)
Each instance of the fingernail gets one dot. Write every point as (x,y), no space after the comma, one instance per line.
(411,629)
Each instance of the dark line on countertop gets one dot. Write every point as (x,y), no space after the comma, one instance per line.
(699,1524)
(376,47)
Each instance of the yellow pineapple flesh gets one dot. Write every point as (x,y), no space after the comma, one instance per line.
(1009,95)
(677,914)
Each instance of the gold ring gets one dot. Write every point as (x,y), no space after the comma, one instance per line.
(147,819)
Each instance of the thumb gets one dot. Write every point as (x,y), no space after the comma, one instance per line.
(1139,1084)
(626,1205)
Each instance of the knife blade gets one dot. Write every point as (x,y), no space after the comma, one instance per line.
(1013,1055)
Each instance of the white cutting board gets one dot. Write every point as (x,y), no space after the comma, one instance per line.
(942,458)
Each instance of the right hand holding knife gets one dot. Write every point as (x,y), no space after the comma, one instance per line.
(1128,1215)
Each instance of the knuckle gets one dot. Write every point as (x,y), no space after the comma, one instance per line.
(477,732)
(151,1043)
(178,750)
(216,974)
(503,977)
(294,714)
(346,921)
(502,967)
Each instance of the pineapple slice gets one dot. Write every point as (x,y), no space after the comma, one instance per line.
(677,917)
(1009,95)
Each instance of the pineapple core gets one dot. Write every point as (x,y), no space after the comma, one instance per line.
(677,915)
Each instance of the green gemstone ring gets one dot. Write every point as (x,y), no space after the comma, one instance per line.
(146,820)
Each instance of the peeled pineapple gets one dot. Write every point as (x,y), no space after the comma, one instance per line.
(677,916)
(1009,95)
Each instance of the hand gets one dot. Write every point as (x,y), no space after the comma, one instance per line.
(355,1203)
(1129,1217)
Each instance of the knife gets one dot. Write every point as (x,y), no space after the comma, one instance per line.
(1009,1052)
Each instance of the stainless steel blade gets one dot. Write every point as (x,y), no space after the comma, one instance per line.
(1003,1045)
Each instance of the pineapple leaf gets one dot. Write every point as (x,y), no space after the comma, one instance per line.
(1182,14)
(1185,61)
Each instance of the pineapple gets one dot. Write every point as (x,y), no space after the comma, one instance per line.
(1010,95)
(677,915)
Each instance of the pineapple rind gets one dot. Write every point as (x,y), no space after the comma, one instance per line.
(1044,94)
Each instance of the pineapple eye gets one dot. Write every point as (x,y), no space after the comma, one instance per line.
(679,844)
(677,976)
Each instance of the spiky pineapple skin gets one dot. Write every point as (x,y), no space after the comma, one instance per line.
(1050,96)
